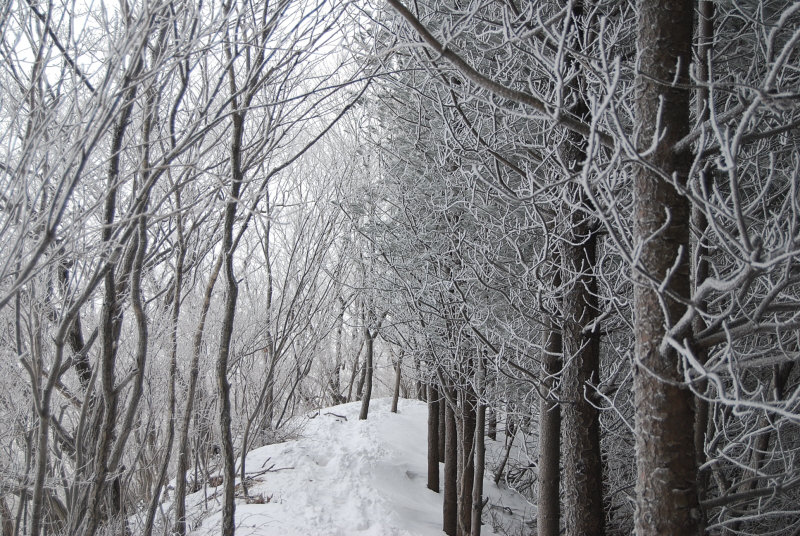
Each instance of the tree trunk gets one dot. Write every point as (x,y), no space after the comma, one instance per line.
(480,455)
(226,331)
(705,36)
(420,386)
(6,519)
(183,437)
(492,427)
(173,370)
(442,426)
(369,340)
(433,439)
(468,462)
(666,484)
(580,426)
(397,378)
(450,502)
(549,436)
(223,394)
(353,375)
(583,476)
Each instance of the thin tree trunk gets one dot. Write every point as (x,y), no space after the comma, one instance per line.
(450,501)
(420,387)
(780,376)
(126,423)
(183,438)
(336,382)
(6,518)
(353,375)
(369,340)
(264,394)
(498,473)
(548,518)
(229,311)
(397,378)
(666,484)
(480,455)
(223,393)
(173,367)
(40,470)
(705,36)
(433,439)
(492,426)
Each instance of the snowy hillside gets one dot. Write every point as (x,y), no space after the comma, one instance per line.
(348,477)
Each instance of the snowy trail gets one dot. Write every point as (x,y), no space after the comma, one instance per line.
(343,477)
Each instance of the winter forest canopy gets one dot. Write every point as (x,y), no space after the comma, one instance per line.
(570,227)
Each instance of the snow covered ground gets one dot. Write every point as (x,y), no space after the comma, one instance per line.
(348,477)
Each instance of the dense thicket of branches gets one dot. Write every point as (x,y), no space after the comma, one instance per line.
(578,222)
(597,203)
(151,218)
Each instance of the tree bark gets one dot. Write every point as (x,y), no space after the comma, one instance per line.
(229,311)
(666,483)
(433,439)
(369,341)
(583,476)
(450,502)
(442,426)
(548,505)
(468,417)
(223,394)
(480,454)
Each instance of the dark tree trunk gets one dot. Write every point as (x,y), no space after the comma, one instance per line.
(450,502)
(229,311)
(442,426)
(468,417)
(111,319)
(666,484)
(223,394)
(421,392)
(480,455)
(583,476)
(549,436)
(368,340)
(492,426)
(433,439)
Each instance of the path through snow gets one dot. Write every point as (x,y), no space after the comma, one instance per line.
(345,477)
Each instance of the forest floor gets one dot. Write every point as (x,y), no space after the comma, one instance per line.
(344,477)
